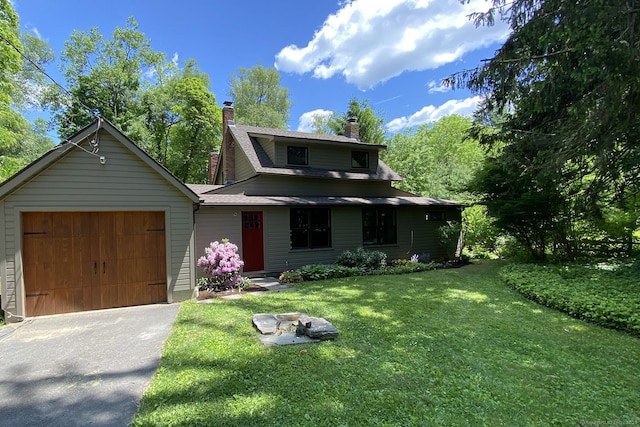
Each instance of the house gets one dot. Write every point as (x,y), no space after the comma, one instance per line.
(290,198)
(95,223)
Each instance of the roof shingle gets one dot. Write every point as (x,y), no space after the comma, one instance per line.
(262,164)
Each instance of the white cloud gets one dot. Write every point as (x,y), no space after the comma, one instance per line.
(371,41)
(174,59)
(305,122)
(430,113)
(150,73)
(36,33)
(435,87)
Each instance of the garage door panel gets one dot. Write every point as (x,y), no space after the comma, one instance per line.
(39,304)
(62,224)
(37,276)
(105,223)
(68,300)
(110,297)
(84,225)
(92,297)
(133,293)
(92,260)
(110,272)
(61,275)
(156,220)
(156,270)
(126,266)
(83,248)
(126,247)
(36,222)
(158,292)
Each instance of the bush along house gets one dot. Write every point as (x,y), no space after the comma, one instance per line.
(288,199)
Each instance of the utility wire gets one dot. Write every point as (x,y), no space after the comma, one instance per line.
(92,112)
(37,67)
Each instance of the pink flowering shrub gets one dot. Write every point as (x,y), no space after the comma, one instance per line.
(222,264)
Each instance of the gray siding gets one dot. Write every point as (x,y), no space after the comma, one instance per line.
(78,182)
(415,235)
(264,185)
(269,147)
(331,157)
(215,224)
(243,167)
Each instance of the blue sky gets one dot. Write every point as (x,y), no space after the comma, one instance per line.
(393,53)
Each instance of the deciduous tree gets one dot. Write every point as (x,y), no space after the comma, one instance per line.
(20,84)
(12,124)
(258,98)
(167,110)
(197,127)
(104,76)
(436,160)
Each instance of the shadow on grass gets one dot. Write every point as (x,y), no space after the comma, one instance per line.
(441,347)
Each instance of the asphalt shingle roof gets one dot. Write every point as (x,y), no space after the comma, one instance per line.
(246,138)
(209,198)
(262,164)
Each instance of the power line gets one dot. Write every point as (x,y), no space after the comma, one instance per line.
(37,67)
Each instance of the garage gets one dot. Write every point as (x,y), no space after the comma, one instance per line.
(95,223)
(77,261)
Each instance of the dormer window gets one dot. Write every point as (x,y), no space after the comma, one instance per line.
(360,159)
(297,155)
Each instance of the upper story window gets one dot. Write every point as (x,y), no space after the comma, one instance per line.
(297,155)
(360,159)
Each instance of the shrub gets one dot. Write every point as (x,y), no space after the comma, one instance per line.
(604,294)
(410,267)
(222,264)
(327,271)
(423,258)
(313,272)
(449,237)
(290,276)
(481,236)
(402,261)
(245,282)
(363,259)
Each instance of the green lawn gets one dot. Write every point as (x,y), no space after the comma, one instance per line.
(447,347)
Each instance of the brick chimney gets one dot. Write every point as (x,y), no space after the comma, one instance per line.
(352,129)
(213,162)
(228,145)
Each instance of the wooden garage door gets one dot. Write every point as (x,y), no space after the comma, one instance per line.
(77,261)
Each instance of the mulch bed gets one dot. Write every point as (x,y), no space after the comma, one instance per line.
(202,295)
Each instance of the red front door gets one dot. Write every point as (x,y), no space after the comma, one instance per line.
(252,242)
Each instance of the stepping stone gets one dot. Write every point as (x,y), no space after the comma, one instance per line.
(285,339)
(317,327)
(279,329)
(291,317)
(266,323)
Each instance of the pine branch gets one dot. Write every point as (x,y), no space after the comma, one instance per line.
(530,58)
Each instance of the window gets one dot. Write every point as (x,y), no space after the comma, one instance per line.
(379,226)
(297,155)
(310,228)
(434,216)
(360,159)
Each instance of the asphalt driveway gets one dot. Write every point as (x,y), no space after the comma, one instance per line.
(81,369)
